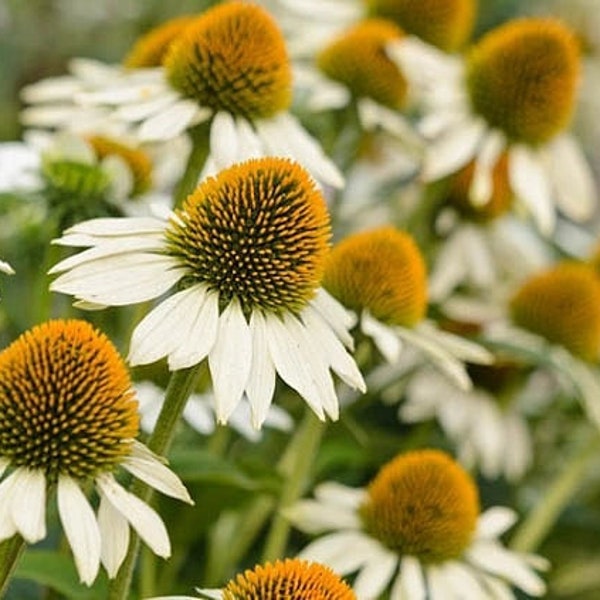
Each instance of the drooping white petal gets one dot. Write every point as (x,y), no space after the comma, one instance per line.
(261,381)
(493,558)
(111,227)
(139,111)
(114,535)
(443,359)
(171,122)
(300,364)
(460,580)
(340,495)
(7,524)
(230,360)
(223,140)
(28,507)
(449,270)
(6,268)
(333,350)
(339,318)
(120,176)
(375,576)
(495,521)
(482,185)
(142,518)
(200,334)
(386,340)
(312,516)
(157,475)
(332,550)
(529,181)
(198,413)
(166,327)
(283,135)
(452,150)
(411,580)
(81,528)
(572,178)
(52,89)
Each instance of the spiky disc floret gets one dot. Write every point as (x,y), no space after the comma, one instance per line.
(381,270)
(522,78)
(446,24)
(367,72)
(422,504)
(232,58)
(290,579)
(66,402)
(258,231)
(562,304)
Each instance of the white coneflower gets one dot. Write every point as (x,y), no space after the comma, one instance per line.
(287,579)
(416,531)
(247,252)
(512,96)
(68,419)
(380,274)
(228,66)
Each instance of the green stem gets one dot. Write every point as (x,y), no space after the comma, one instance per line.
(200,136)
(542,518)
(295,466)
(10,553)
(181,385)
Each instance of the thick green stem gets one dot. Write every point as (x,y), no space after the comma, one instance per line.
(541,519)
(180,387)
(295,466)
(200,136)
(10,553)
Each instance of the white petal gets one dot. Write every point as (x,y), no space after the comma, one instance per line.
(157,475)
(82,531)
(509,565)
(312,516)
(572,178)
(284,135)
(198,413)
(114,534)
(200,334)
(165,328)
(52,89)
(170,122)
(458,346)
(452,151)
(482,185)
(375,576)
(261,381)
(495,521)
(449,270)
(142,110)
(331,492)
(530,183)
(300,364)
(28,508)
(386,340)
(118,226)
(223,140)
(230,360)
(120,280)
(340,319)
(141,517)
(411,578)
(7,524)
(333,350)
(452,367)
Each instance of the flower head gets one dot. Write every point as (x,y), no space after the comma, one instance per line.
(562,304)
(422,504)
(381,270)
(415,529)
(232,58)
(522,78)
(247,251)
(446,24)
(68,417)
(368,73)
